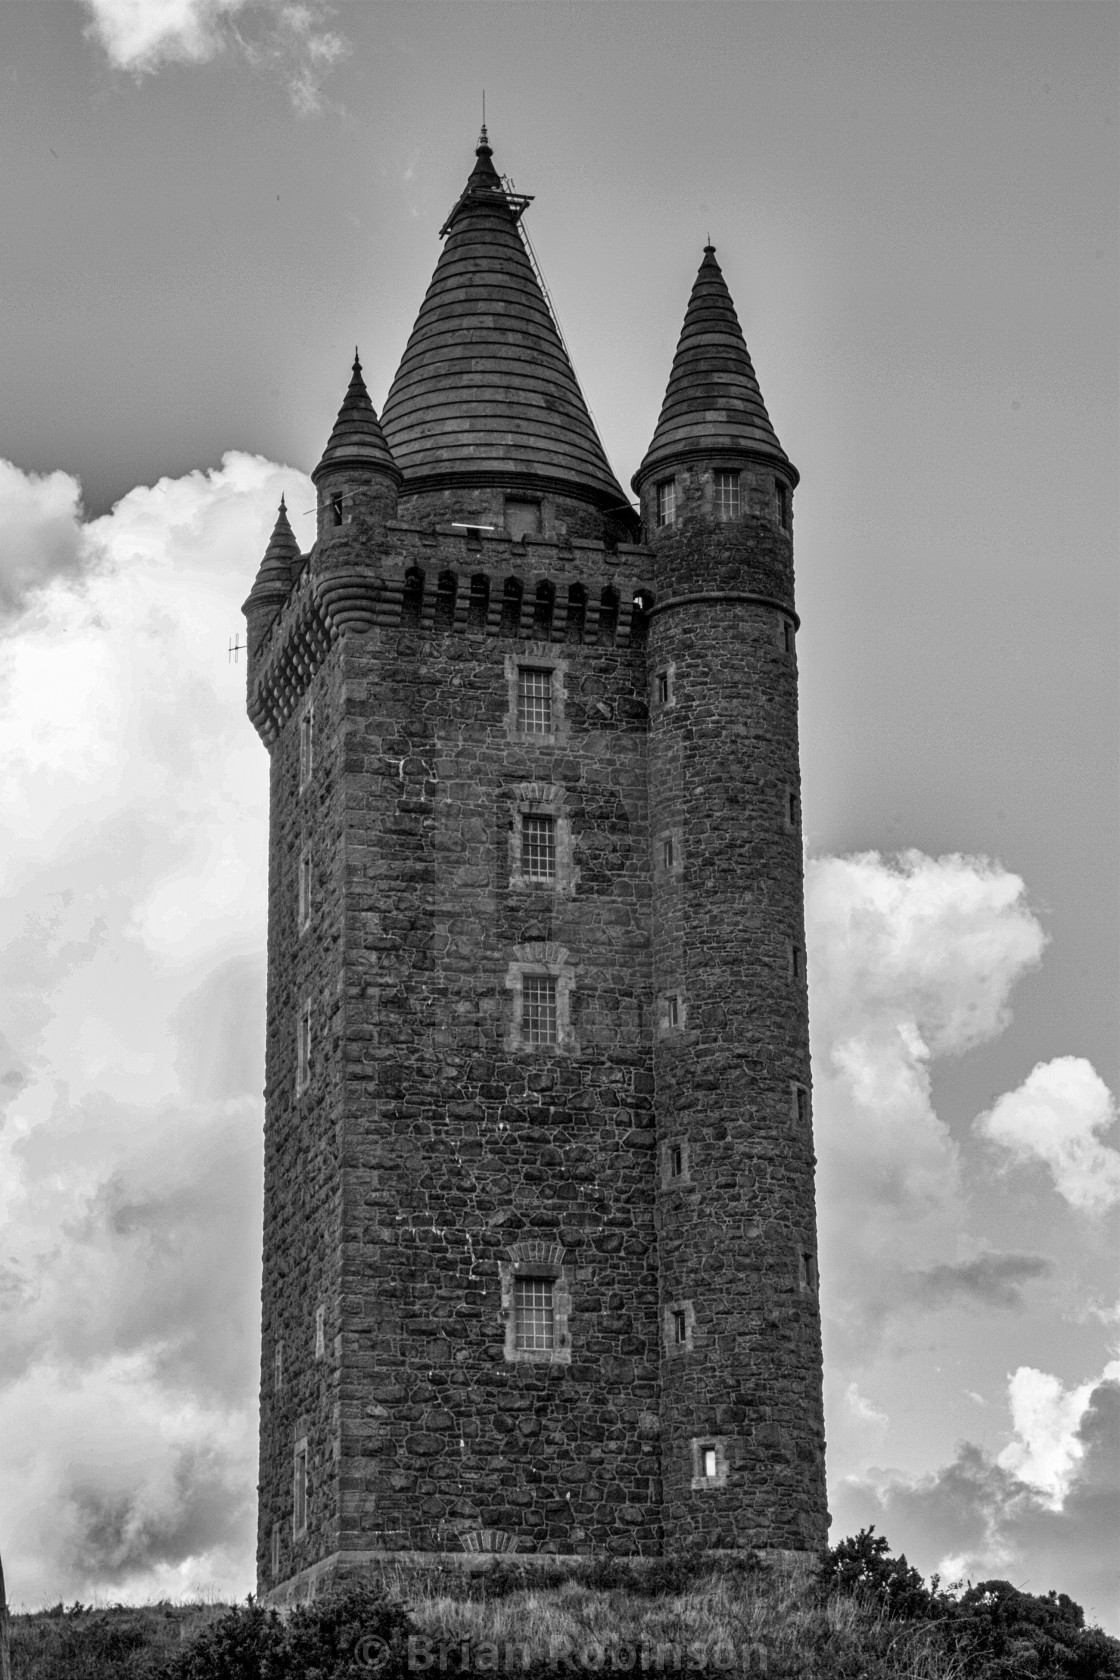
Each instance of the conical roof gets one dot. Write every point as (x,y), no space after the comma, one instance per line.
(485,393)
(357,439)
(281,561)
(712,402)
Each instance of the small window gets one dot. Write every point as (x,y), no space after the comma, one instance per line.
(667,502)
(538,1009)
(672,1010)
(278,1367)
(796,961)
(479,604)
(320,1332)
(538,848)
(274,1557)
(534,700)
(304,890)
(787,635)
(336,510)
(511,608)
(543,607)
(576,620)
(676,1160)
(303,1048)
(727,495)
(801,1104)
(299,1491)
(793,808)
(678,1319)
(708,1463)
(667,852)
(306,746)
(533,1314)
(662,688)
(781,491)
(807,1268)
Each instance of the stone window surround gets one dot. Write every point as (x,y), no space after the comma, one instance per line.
(669,674)
(320,1332)
(539,656)
(301,1495)
(796,955)
(786,634)
(661,869)
(709,1443)
(799,1092)
(542,799)
(665,1024)
(668,1177)
(303,1048)
(306,746)
(542,957)
(806,1269)
(792,811)
(274,1551)
(534,1258)
(303,913)
(674,1348)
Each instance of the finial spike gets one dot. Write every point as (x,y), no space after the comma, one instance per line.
(283,503)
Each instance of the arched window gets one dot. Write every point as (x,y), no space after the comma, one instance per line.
(640,617)
(413,602)
(542,611)
(479,603)
(608,615)
(447,587)
(511,607)
(577,613)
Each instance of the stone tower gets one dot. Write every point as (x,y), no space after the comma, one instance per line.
(539,1245)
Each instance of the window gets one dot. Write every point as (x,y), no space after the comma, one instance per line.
(533,1315)
(781,491)
(320,1332)
(538,1009)
(708,1463)
(662,688)
(807,1270)
(667,502)
(667,852)
(304,889)
(678,1318)
(676,1160)
(336,510)
(299,1490)
(727,495)
(303,1048)
(479,604)
(534,700)
(306,746)
(538,848)
(787,635)
(796,961)
(274,1558)
(278,1367)
(793,808)
(672,1010)
(801,1104)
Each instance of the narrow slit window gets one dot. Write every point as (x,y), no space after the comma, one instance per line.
(538,1009)
(534,1316)
(274,1558)
(801,1100)
(808,1270)
(676,1161)
(708,1463)
(278,1368)
(479,604)
(534,700)
(662,688)
(667,852)
(727,495)
(336,510)
(796,961)
(679,1325)
(794,809)
(320,1332)
(667,503)
(673,1010)
(538,848)
(299,1491)
(577,613)
(306,746)
(303,1048)
(304,889)
(781,491)
(787,635)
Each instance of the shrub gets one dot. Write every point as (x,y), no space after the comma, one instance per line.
(317,1641)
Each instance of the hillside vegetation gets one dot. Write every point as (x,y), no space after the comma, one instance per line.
(869,1616)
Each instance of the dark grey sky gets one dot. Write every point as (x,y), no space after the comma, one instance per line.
(915,208)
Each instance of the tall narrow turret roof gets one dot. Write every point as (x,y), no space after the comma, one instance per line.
(357,439)
(279,565)
(485,393)
(712,402)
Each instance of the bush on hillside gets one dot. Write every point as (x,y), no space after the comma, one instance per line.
(318,1641)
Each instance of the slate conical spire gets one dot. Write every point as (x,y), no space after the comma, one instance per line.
(712,404)
(357,439)
(485,393)
(275,576)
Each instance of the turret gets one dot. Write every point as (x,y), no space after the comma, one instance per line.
(357,476)
(741,1415)
(272,584)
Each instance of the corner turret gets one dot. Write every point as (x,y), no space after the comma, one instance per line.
(714,457)
(272,584)
(357,472)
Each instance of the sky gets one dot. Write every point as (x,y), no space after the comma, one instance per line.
(206,204)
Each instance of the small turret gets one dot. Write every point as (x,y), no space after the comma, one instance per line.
(357,472)
(714,454)
(275,576)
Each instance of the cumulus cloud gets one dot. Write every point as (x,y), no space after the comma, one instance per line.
(980,1517)
(287,36)
(912,958)
(132,901)
(1054,1118)
(40,533)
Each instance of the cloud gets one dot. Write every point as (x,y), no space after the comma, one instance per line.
(40,533)
(911,958)
(141,36)
(1046,1419)
(1054,1118)
(980,1517)
(132,903)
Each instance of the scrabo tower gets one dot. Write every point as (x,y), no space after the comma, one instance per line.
(539,1251)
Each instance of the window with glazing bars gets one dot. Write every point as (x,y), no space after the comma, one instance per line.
(533,1320)
(727,495)
(534,700)
(666,502)
(538,847)
(538,1009)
